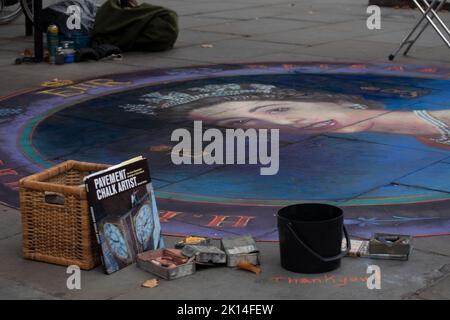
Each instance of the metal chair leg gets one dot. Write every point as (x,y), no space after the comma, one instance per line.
(439,7)
(410,34)
(428,14)
(431,22)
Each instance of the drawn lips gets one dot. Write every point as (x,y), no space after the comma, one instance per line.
(323,124)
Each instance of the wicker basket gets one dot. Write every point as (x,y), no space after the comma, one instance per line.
(57,226)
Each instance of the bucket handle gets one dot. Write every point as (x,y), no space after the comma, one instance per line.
(315,254)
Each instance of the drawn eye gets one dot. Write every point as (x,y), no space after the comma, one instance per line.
(241,121)
(277,110)
(236,123)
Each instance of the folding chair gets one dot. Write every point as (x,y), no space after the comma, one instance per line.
(429,13)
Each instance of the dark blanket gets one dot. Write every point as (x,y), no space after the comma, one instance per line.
(142,28)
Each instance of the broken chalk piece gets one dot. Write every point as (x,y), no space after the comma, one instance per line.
(193,240)
(245,265)
(150,283)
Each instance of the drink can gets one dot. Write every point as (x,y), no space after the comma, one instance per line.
(53,28)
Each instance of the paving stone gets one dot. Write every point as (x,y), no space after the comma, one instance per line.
(12,290)
(216,9)
(348,50)
(10,224)
(441,53)
(311,16)
(438,291)
(145,60)
(256,26)
(400,15)
(253,13)
(406,15)
(188,38)
(413,59)
(7,57)
(428,39)
(187,22)
(16,47)
(287,57)
(228,51)
(11,30)
(329,33)
(437,245)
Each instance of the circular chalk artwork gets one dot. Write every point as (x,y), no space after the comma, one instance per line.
(372,139)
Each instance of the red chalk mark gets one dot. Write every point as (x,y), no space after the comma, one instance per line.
(299,281)
(337,281)
(358,66)
(217,221)
(290,66)
(243,221)
(428,70)
(235,221)
(165,216)
(330,279)
(8,172)
(12,185)
(257,66)
(370,88)
(395,68)
(277,279)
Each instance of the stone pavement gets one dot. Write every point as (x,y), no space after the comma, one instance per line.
(238,31)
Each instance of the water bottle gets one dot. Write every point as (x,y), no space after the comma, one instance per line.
(59,58)
(52,41)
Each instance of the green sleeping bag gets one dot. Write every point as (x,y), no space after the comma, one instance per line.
(142,28)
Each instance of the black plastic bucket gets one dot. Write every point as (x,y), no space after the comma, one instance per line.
(311,237)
